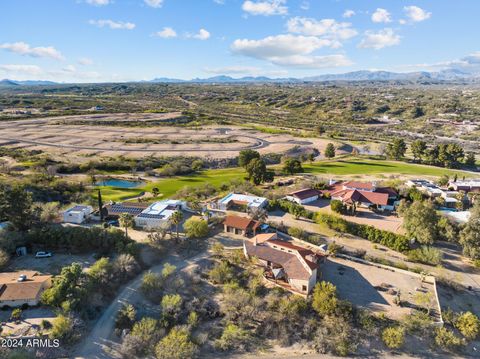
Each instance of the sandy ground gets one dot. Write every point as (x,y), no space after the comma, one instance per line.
(357,283)
(51,265)
(62,137)
(29,323)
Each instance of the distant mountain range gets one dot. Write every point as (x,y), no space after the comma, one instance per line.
(421,76)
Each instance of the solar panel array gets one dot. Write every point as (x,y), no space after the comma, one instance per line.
(120,208)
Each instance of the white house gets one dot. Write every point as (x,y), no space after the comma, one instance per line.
(158,213)
(304,196)
(77,214)
(247,200)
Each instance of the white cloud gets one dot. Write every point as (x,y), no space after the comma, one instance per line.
(265,7)
(114,25)
(416,14)
(326,28)
(98,2)
(20,69)
(289,50)
(219,2)
(381,15)
(33,72)
(380,39)
(154,3)
(202,34)
(234,70)
(348,13)
(85,61)
(166,33)
(468,64)
(25,49)
(305,5)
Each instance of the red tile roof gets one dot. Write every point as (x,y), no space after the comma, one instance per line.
(243,223)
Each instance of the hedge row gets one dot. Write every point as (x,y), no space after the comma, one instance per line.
(389,239)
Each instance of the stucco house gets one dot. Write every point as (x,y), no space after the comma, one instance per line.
(20,288)
(304,196)
(77,214)
(241,225)
(284,262)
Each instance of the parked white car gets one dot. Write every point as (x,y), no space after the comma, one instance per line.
(43,254)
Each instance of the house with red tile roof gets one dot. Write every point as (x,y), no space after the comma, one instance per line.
(364,194)
(240,225)
(284,262)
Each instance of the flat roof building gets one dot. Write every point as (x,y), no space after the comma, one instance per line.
(249,201)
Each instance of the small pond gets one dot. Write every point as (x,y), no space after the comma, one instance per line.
(119,183)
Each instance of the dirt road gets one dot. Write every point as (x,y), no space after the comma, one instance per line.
(100,340)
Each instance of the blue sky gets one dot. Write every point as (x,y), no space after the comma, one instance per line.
(124,40)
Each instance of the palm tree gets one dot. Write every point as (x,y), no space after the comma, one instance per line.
(176,219)
(126,220)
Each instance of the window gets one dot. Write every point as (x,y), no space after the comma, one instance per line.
(304,288)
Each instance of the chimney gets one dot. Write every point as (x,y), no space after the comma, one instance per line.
(312,258)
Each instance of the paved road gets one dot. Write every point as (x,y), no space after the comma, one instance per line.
(100,339)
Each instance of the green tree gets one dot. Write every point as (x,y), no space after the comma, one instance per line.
(256,171)
(147,333)
(176,345)
(324,299)
(330,150)
(468,324)
(418,148)
(16,206)
(450,155)
(246,156)
(420,221)
(196,228)
(470,159)
(66,286)
(292,166)
(396,149)
(470,235)
(176,218)
(126,221)
(393,337)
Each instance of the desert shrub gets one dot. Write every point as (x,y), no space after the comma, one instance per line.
(393,337)
(62,328)
(171,307)
(468,324)
(446,339)
(337,206)
(176,345)
(296,232)
(426,255)
(125,317)
(233,338)
(324,299)
(221,273)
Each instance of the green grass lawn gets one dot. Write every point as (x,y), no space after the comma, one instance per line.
(359,166)
(217,177)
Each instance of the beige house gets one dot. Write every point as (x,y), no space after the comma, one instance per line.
(240,225)
(285,263)
(19,288)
